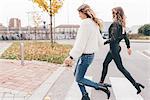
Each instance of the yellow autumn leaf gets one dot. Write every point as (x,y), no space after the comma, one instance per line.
(55,5)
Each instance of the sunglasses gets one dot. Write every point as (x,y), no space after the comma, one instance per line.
(114,12)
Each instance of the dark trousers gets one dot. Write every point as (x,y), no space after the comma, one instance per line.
(114,54)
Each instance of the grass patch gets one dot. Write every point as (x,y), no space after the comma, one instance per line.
(41,51)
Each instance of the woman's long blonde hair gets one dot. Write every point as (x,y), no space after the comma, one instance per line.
(84,8)
(119,16)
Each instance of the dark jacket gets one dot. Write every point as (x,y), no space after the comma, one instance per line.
(116,35)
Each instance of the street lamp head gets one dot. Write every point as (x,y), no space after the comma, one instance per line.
(44,22)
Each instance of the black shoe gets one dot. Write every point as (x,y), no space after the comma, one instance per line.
(138,85)
(104,89)
(85,97)
(105,84)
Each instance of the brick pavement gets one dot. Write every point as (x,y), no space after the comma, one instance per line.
(24,78)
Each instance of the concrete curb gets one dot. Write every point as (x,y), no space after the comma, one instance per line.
(2,50)
(44,88)
(139,41)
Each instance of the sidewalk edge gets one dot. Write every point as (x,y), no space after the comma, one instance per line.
(44,88)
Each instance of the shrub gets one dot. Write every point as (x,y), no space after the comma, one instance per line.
(145,30)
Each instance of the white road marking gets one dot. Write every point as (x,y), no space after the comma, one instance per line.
(74,92)
(143,54)
(149,81)
(123,89)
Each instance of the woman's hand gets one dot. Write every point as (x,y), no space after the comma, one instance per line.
(68,62)
(129,51)
(106,42)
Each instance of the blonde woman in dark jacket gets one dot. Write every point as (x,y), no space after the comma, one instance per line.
(117,32)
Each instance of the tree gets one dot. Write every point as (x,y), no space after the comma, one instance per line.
(37,20)
(145,30)
(51,8)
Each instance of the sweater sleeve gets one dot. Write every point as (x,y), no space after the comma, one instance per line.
(81,40)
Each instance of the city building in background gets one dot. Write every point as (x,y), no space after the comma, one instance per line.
(2,28)
(14,23)
(68,31)
(14,28)
(14,31)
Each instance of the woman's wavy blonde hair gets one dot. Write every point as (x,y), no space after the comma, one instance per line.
(84,8)
(118,15)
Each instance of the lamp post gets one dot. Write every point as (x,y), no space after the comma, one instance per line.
(45,28)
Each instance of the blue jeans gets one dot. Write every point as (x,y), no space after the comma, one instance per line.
(83,63)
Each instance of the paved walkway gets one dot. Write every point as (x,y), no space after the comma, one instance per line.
(23,81)
(29,82)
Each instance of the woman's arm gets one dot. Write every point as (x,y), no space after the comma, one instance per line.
(126,40)
(100,39)
(127,43)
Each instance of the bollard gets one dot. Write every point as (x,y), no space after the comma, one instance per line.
(22,53)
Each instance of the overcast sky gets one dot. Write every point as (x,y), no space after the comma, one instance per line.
(137,11)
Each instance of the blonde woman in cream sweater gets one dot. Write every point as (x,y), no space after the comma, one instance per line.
(87,43)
